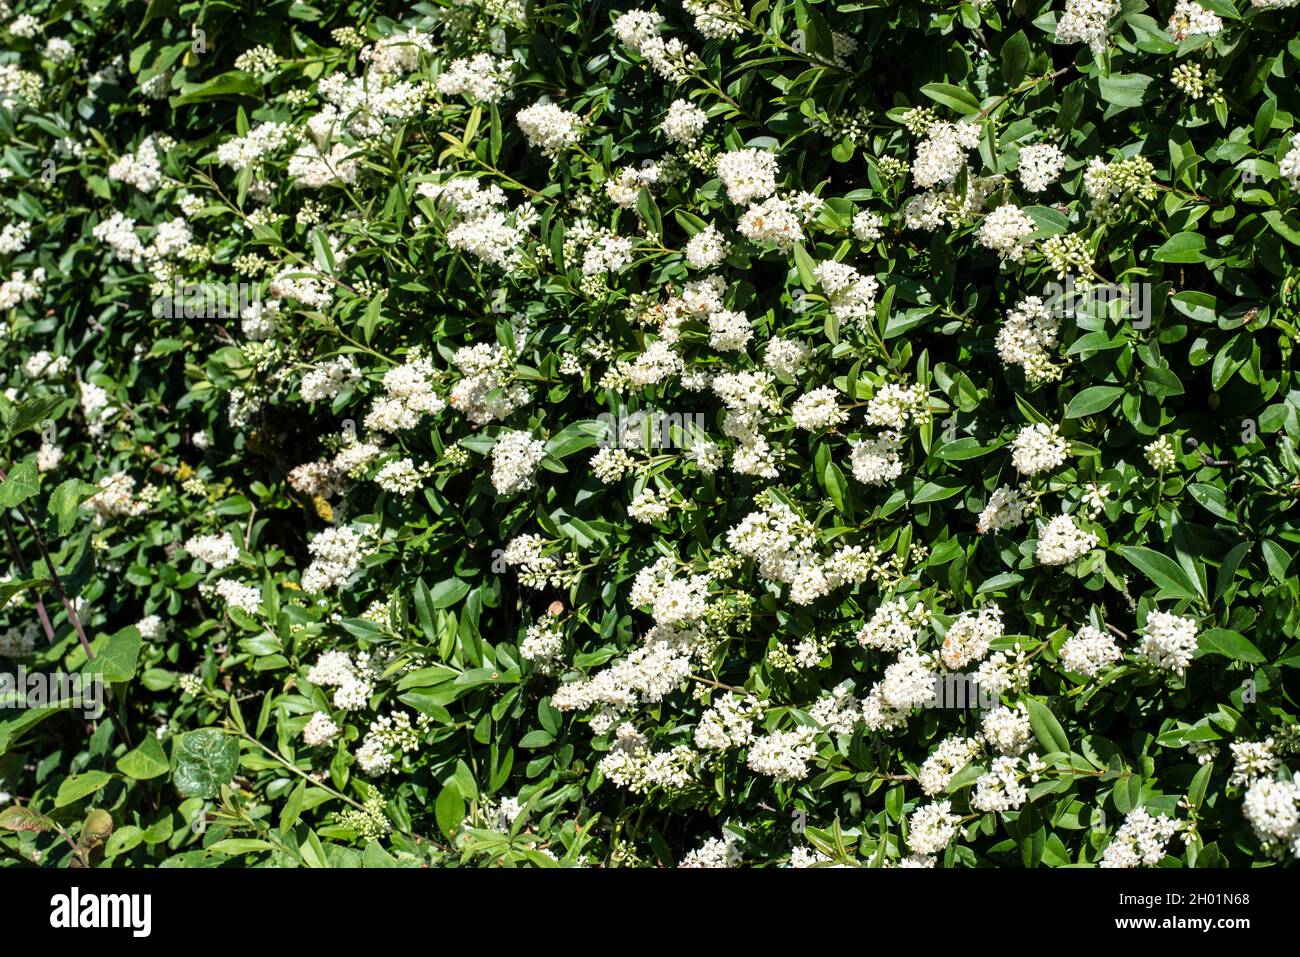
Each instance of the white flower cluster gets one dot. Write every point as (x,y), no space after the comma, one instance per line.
(944,762)
(785,548)
(894,625)
(408,395)
(485,394)
(1168,641)
(895,406)
(352,682)
(390,736)
(116,497)
(671,59)
(673,599)
(1252,759)
(549,128)
(1062,541)
(324,381)
(537,569)
(217,550)
(1006,509)
(818,409)
(786,357)
(481,78)
(779,220)
(1089,650)
(931,826)
(1039,448)
(783,755)
(1026,338)
(632,765)
(15,237)
(1191,19)
(1006,231)
(941,156)
(1140,840)
(515,456)
(1000,788)
(1040,166)
(748,175)
(714,853)
(401,476)
(970,636)
(907,684)
(242,152)
(877,461)
(1086,21)
(1290,165)
(852,296)
(319,730)
(247,598)
(684,122)
(1007,730)
(706,249)
(1272,806)
(645,675)
(141,169)
(543,644)
(479,222)
(336,554)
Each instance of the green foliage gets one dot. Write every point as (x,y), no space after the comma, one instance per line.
(336,622)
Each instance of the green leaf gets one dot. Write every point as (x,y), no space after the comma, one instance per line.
(66,500)
(20,485)
(449,810)
(1015,58)
(117,660)
(955,97)
(1230,644)
(204,761)
(806,267)
(1284,224)
(938,491)
(16,818)
(145,762)
(1124,90)
(229,84)
(1046,728)
(124,839)
(1162,570)
(837,485)
(1181,248)
(1092,400)
(237,846)
(78,786)
(30,413)
(649,212)
(575,437)
(448,592)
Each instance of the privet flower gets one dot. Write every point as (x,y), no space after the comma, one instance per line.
(1088,651)
(548,127)
(1140,840)
(1062,541)
(1168,641)
(1005,231)
(514,457)
(1038,448)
